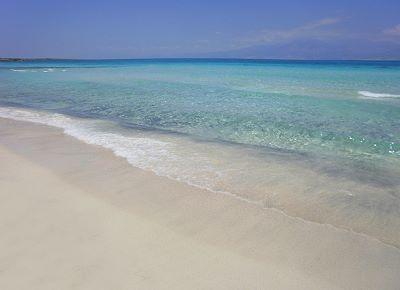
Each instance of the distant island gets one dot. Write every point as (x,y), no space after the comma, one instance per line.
(13,59)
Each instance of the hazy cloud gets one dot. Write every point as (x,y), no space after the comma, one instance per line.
(321,22)
(394,31)
(313,29)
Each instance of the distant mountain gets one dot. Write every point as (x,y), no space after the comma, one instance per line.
(317,49)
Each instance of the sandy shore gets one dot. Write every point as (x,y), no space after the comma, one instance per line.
(74,216)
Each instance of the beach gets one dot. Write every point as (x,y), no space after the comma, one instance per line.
(75,216)
(199,145)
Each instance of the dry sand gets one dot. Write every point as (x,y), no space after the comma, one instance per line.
(74,216)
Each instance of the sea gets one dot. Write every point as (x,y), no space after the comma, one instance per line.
(315,140)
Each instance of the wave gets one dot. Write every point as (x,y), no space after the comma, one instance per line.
(367,94)
(45,70)
(89,131)
(141,151)
(19,70)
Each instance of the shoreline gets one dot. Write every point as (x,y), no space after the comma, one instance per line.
(140,151)
(210,240)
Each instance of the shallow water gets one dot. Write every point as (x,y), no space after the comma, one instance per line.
(317,140)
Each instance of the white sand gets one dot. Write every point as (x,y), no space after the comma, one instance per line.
(73,216)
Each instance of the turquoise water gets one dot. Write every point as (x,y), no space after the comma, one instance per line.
(317,140)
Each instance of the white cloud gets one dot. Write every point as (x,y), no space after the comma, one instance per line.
(394,31)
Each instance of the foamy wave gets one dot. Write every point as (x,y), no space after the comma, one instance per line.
(144,152)
(19,70)
(367,94)
(45,70)
(164,158)
(135,149)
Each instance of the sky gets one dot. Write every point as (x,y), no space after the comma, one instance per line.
(156,28)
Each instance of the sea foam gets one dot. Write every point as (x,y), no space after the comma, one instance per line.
(134,149)
(367,94)
(19,70)
(164,157)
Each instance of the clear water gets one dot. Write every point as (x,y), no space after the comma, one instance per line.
(316,140)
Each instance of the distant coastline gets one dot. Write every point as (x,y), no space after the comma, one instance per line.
(13,59)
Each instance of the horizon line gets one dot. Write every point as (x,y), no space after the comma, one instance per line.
(2,59)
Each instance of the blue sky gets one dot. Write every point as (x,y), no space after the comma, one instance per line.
(129,29)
